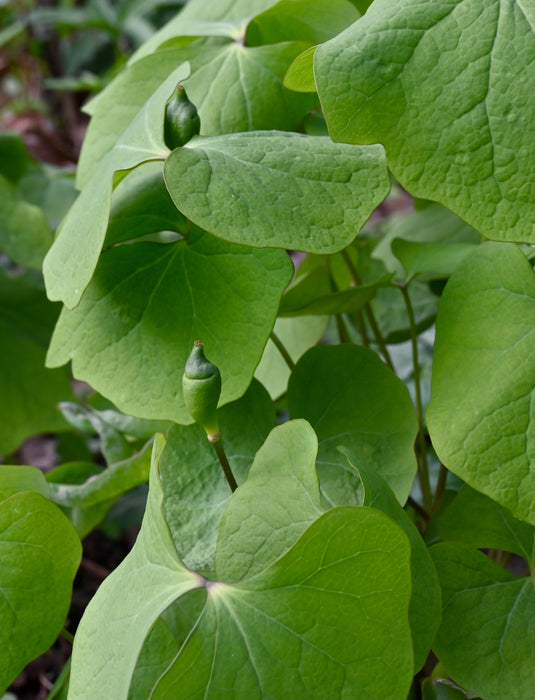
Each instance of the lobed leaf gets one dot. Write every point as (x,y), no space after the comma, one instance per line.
(451,99)
(71,262)
(195,489)
(134,329)
(274,506)
(348,574)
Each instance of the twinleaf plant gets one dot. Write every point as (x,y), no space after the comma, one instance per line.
(358,500)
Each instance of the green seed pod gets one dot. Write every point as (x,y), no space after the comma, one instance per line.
(202,387)
(182,121)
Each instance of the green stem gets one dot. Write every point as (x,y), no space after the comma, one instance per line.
(217,444)
(441,485)
(342,330)
(280,347)
(418,508)
(423,469)
(369,312)
(67,635)
(378,336)
(341,325)
(362,329)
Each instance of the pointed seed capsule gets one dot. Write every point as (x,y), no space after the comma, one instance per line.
(182,120)
(202,388)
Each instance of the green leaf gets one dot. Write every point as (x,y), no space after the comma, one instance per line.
(334,609)
(70,263)
(14,157)
(343,302)
(425,607)
(315,21)
(130,426)
(141,205)
(353,400)
(300,75)
(486,638)
(226,19)
(164,642)
(195,489)
(43,551)
(29,393)
(24,232)
(107,485)
(119,617)
(349,569)
(277,189)
(234,87)
(114,109)
(297,335)
(312,279)
(133,330)
(477,520)
(434,224)
(449,100)
(70,477)
(430,260)
(484,353)
(51,189)
(270,511)
(240,88)
(390,311)
(113,444)
(16,478)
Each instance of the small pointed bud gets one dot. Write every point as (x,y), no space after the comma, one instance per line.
(182,120)
(202,388)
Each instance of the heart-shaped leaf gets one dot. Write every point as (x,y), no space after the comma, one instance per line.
(353,400)
(348,573)
(486,638)
(274,506)
(41,551)
(451,100)
(195,489)
(296,335)
(134,329)
(476,519)
(484,352)
(278,189)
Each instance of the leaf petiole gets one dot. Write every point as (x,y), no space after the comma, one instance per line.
(217,444)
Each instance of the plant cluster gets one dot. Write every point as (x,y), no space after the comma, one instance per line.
(370,510)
